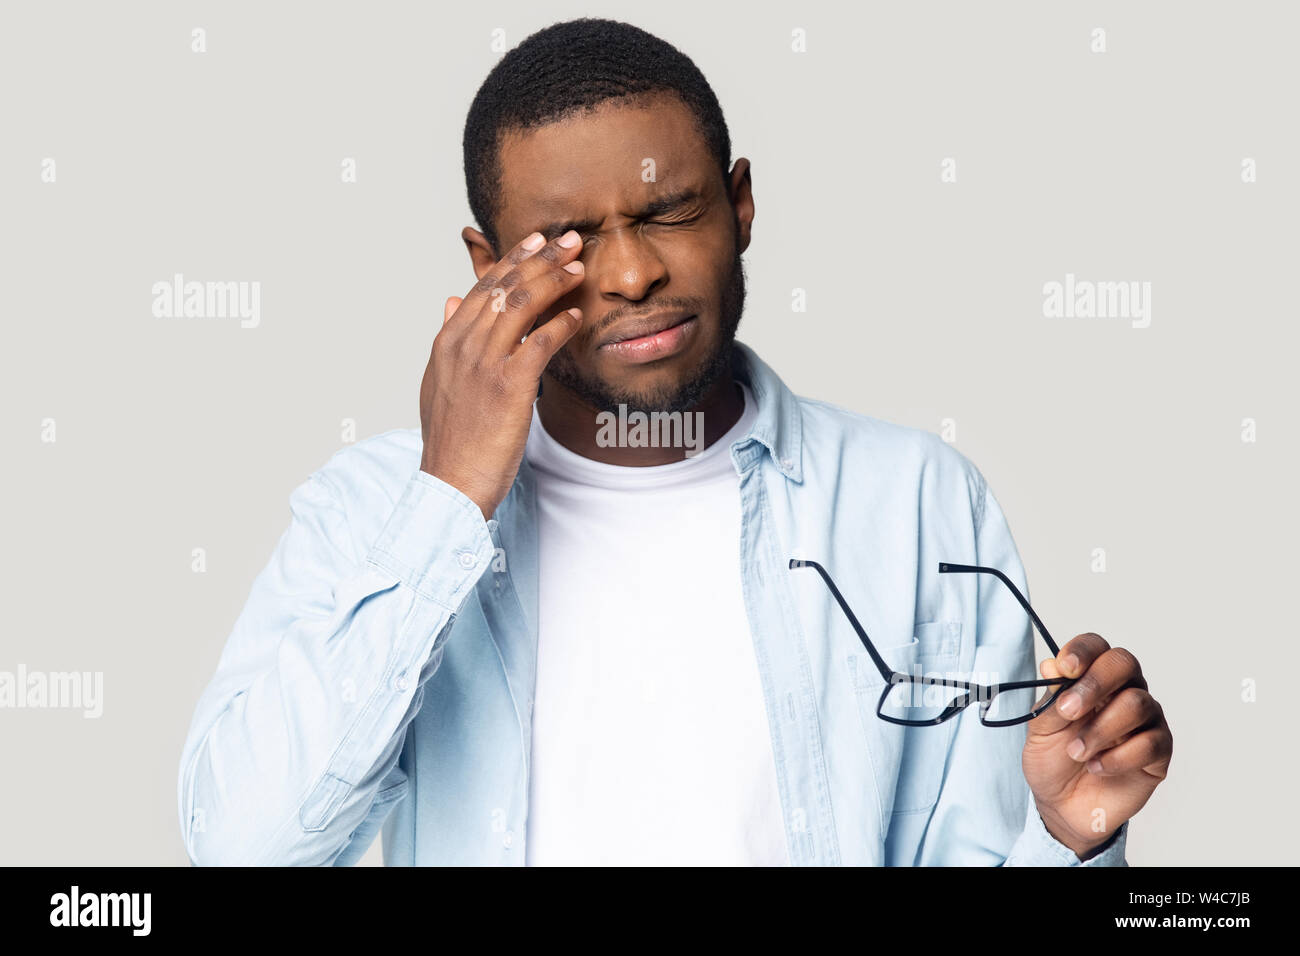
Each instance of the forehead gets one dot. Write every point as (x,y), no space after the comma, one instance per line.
(593,165)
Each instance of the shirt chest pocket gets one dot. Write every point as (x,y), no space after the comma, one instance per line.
(908,762)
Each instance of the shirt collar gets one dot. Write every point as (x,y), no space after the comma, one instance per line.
(779,426)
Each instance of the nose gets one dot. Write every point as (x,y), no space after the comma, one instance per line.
(624,264)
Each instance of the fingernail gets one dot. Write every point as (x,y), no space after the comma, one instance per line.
(1069,664)
(1076,748)
(569,239)
(1069,703)
(534,242)
(575,266)
(1094,765)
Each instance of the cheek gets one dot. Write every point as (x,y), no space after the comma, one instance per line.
(700,267)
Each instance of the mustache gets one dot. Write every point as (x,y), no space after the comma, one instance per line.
(611,319)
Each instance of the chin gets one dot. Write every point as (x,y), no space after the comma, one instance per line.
(674,383)
(665,375)
(670,385)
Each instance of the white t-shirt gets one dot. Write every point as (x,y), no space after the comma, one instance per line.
(651,742)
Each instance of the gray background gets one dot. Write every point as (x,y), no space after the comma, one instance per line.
(924,301)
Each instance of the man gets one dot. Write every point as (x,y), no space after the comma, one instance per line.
(532,634)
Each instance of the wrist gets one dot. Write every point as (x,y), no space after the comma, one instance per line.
(1084,846)
(487,505)
(485,501)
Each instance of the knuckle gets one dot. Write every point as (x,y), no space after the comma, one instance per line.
(1135,700)
(511,279)
(1086,686)
(1151,748)
(1151,710)
(541,340)
(549,252)
(1124,659)
(519,299)
(485,285)
(1093,641)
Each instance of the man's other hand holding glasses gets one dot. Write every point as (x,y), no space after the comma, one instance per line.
(1096,738)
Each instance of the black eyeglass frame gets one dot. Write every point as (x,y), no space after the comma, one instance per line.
(984,693)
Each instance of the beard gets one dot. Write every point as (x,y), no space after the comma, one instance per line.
(684,395)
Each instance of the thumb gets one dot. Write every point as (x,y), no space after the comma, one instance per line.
(448,310)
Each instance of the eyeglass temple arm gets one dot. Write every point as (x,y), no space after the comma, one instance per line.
(948,568)
(885,671)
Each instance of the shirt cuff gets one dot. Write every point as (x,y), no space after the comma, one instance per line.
(1036,847)
(435,540)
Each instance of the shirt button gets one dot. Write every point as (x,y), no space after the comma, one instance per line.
(400,683)
(508,839)
(492,525)
(467,559)
(787,463)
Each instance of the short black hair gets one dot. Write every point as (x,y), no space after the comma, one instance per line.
(566,69)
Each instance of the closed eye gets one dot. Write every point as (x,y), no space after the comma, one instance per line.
(586,240)
(677,222)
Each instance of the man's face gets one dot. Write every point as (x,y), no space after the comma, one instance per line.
(664,285)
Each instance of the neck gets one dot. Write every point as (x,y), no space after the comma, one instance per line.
(576,425)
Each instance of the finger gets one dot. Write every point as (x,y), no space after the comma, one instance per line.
(482,291)
(1072,661)
(1054,720)
(1078,653)
(1128,712)
(1113,670)
(543,342)
(1050,721)
(1049,669)
(1150,750)
(487,299)
(530,291)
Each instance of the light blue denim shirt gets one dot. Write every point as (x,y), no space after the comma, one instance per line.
(381,673)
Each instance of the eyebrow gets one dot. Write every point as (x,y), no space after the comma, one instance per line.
(655,207)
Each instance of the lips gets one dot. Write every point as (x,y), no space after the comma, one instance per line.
(644,327)
(647,340)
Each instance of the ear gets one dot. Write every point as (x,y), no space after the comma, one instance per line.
(481,254)
(740,188)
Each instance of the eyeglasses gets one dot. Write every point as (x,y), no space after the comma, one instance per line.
(916,700)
